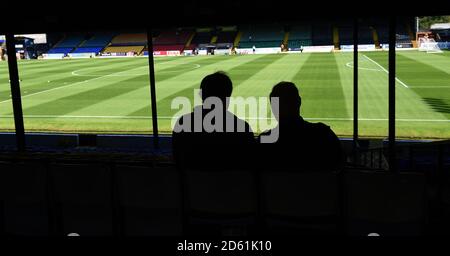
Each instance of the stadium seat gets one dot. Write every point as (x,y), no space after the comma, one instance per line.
(385,203)
(220,202)
(150,200)
(123,49)
(82,194)
(299,35)
(322,34)
(296,202)
(226,37)
(130,39)
(172,37)
(24,199)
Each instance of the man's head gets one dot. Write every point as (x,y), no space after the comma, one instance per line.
(217,85)
(289,101)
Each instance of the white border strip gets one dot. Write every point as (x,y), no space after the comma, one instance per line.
(250,118)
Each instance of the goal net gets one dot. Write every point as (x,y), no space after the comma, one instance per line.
(428,45)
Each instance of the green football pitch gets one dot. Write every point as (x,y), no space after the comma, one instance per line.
(112,95)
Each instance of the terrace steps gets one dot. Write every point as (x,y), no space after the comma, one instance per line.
(376,39)
(188,43)
(286,38)
(336,38)
(412,37)
(237,39)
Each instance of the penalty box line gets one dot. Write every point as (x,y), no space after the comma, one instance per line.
(387,72)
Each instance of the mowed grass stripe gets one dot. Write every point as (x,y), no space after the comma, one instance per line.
(427,77)
(238,74)
(439,61)
(431,102)
(36,81)
(320,87)
(31,72)
(120,105)
(60,72)
(82,100)
(275,70)
(188,83)
(46,81)
(79,80)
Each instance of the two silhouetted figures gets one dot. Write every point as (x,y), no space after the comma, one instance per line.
(211,137)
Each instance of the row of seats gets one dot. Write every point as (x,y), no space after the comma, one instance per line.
(98,40)
(202,38)
(299,36)
(63,50)
(226,37)
(123,49)
(260,44)
(130,39)
(172,37)
(143,200)
(71,41)
(178,47)
(322,34)
(88,50)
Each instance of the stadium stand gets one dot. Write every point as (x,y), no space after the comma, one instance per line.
(67,44)
(70,41)
(129,39)
(261,36)
(322,34)
(95,44)
(202,36)
(345,35)
(63,50)
(123,49)
(178,47)
(365,35)
(171,40)
(126,43)
(88,50)
(299,35)
(226,36)
(98,40)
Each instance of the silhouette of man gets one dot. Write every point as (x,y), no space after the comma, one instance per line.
(211,136)
(301,145)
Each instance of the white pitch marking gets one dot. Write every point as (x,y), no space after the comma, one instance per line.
(76,72)
(251,118)
(387,72)
(430,86)
(65,86)
(349,64)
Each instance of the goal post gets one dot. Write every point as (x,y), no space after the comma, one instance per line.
(426,43)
